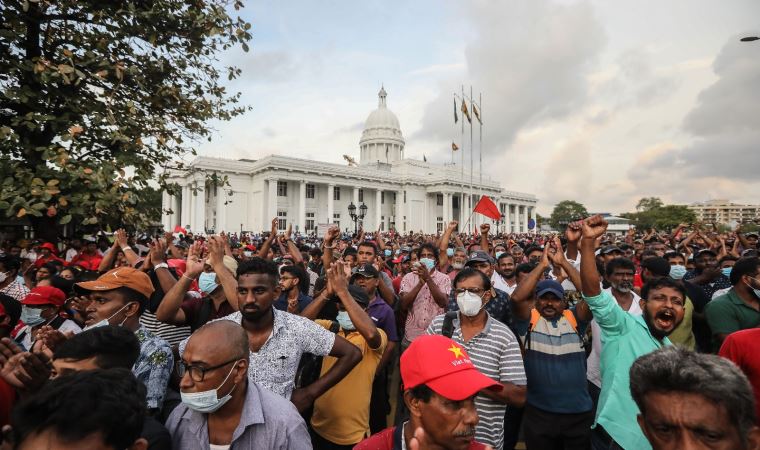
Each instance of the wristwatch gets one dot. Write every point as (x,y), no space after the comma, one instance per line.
(161,266)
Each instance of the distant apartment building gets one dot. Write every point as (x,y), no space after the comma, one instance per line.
(725,212)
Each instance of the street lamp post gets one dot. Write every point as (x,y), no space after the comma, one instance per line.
(357,217)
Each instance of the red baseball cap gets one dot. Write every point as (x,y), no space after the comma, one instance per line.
(49,246)
(444,366)
(44,295)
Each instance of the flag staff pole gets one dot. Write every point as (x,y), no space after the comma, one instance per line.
(455,124)
(471,151)
(461,199)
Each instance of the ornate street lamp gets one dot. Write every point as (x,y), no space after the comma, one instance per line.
(356,218)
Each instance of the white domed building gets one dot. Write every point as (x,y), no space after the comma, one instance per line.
(401,194)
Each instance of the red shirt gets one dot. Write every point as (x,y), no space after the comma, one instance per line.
(89,262)
(743,348)
(7,399)
(41,261)
(390,439)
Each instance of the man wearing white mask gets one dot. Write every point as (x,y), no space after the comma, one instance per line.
(221,408)
(119,297)
(493,349)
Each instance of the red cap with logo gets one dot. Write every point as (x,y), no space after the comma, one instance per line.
(44,295)
(444,366)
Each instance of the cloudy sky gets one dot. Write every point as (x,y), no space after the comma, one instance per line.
(597,101)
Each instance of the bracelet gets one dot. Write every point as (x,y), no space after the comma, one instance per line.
(330,247)
(191,279)
(161,266)
(125,248)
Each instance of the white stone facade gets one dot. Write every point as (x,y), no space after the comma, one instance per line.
(403,194)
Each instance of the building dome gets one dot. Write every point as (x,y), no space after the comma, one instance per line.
(381,139)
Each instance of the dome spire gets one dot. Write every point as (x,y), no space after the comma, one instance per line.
(381,95)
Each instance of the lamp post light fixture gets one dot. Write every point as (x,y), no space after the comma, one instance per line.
(357,217)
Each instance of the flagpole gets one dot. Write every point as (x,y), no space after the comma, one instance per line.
(455,124)
(480,145)
(461,199)
(471,151)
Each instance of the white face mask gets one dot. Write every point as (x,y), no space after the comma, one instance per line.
(207,401)
(3,276)
(105,322)
(469,304)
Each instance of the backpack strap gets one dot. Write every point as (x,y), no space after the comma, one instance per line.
(570,317)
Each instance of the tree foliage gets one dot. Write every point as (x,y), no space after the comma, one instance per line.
(98,98)
(653,213)
(565,212)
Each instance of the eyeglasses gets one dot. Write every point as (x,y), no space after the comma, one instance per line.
(476,291)
(198,373)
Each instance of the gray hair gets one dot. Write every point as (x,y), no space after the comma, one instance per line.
(675,369)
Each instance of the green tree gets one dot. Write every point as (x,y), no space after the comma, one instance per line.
(647,203)
(565,212)
(663,218)
(100,97)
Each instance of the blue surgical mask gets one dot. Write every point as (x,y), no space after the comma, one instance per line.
(207,282)
(207,401)
(726,271)
(387,252)
(677,272)
(31,316)
(345,321)
(756,291)
(428,262)
(449,252)
(498,254)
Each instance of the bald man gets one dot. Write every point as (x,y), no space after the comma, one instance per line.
(221,408)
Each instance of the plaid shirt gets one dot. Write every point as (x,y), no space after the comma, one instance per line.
(17,289)
(153,366)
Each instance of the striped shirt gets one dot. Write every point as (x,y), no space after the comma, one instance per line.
(495,351)
(166,331)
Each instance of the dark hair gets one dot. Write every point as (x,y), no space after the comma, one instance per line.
(106,402)
(129,294)
(673,369)
(10,262)
(505,255)
(429,246)
(533,248)
(63,284)
(315,252)
(647,253)
(422,392)
(259,266)
(659,283)
(524,268)
(52,268)
(12,308)
(743,266)
(369,244)
(727,258)
(112,347)
(674,254)
(303,279)
(469,272)
(619,263)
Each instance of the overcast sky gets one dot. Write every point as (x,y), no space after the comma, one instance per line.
(602,102)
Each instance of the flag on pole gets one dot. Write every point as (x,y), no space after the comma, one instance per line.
(476,113)
(454,147)
(465,111)
(488,208)
(456,118)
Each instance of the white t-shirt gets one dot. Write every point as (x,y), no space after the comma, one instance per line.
(66,326)
(498,282)
(70,254)
(593,374)
(219,446)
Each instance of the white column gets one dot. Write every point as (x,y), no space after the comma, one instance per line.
(330,202)
(378,208)
(302,206)
(525,218)
(199,212)
(185,211)
(272,200)
(356,198)
(221,210)
(166,204)
(400,210)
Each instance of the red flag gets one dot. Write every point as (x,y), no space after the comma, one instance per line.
(488,208)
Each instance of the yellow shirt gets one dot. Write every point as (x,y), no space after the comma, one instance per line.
(341,415)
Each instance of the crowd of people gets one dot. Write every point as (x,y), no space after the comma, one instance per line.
(381,340)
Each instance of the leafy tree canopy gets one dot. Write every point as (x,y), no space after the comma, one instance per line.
(99,98)
(565,212)
(653,213)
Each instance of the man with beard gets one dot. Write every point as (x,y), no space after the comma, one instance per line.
(619,274)
(683,335)
(739,308)
(626,337)
(277,339)
(505,267)
(292,299)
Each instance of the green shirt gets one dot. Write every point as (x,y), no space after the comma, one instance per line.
(624,339)
(729,313)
